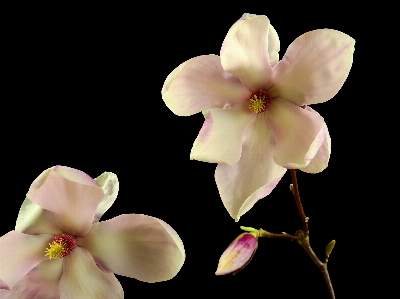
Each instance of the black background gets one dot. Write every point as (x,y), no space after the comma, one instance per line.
(84,91)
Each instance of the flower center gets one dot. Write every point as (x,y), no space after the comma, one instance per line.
(259,101)
(61,246)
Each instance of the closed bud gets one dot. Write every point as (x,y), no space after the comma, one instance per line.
(329,247)
(238,254)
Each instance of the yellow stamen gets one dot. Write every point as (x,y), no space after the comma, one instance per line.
(256,105)
(56,250)
(259,101)
(61,246)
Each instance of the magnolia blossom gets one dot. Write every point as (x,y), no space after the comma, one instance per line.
(59,249)
(238,254)
(257,119)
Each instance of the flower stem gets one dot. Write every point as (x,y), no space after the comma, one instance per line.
(296,194)
(303,238)
(264,233)
(322,266)
(304,242)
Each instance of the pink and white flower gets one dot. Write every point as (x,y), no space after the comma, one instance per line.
(238,254)
(61,213)
(257,119)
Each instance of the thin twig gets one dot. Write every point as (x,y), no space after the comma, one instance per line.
(303,236)
(304,242)
(296,194)
(323,267)
(264,233)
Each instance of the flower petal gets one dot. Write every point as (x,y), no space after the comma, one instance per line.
(137,246)
(75,175)
(33,220)
(321,159)
(115,282)
(220,138)
(5,294)
(19,253)
(297,133)
(273,46)
(3,285)
(254,176)
(69,173)
(108,182)
(244,52)
(81,278)
(41,282)
(74,204)
(200,84)
(273,39)
(314,67)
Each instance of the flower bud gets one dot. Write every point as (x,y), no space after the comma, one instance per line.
(238,254)
(329,248)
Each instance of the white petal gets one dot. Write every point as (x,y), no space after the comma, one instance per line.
(321,159)
(108,181)
(254,176)
(200,84)
(297,133)
(244,53)
(314,67)
(33,220)
(137,246)
(220,138)
(81,278)
(19,253)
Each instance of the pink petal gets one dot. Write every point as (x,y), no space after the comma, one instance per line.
(75,175)
(321,159)
(33,220)
(273,39)
(108,182)
(81,278)
(254,176)
(136,246)
(4,294)
(74,204)
(3,285)
(114,281)
(244,53)
(19,253)
(238,254)
(41,282)
(297,133)
(314,67)
(40,179)
(69,173)
(200,84)
(220,138)
(273,46)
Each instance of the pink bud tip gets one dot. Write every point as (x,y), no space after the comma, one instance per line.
(238,254)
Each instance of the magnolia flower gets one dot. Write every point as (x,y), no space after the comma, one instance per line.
(257,122)
(60,250)
(238,254)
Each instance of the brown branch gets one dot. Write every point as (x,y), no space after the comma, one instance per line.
(296,195)
(305,243)
(302,236)
(264,233)
(322,266)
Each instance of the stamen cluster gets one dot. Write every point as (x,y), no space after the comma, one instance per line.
(61,246)
(259,101)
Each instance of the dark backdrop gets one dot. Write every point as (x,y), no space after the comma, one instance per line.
(85,93)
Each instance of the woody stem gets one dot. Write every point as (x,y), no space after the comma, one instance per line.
(304,240)
(296,194)
(322,266)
